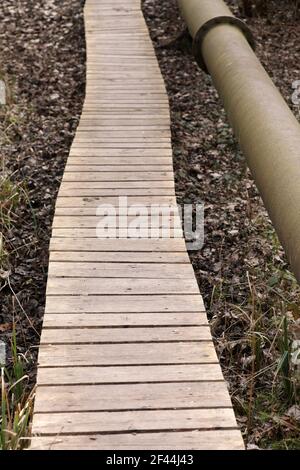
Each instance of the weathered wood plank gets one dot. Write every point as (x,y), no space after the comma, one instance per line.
(86,221)
(104,167)
(125,335)
(124,303)
(116,176)
(150,420)
(120,152)
(90,191)
(107,134)
(121,161)
(150,222)
(151,245)
(120,257)
(123,210)
(118,144)
(92,121)
(121,286)
(128,185)
(99,126)
(193,440)
(131,374)
(133,397)
(127,354)
(98,320)
(112,270)
(94,201)
(90,233)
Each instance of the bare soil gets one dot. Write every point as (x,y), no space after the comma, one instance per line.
(42,61)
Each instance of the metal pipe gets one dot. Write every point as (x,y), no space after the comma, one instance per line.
(267,130)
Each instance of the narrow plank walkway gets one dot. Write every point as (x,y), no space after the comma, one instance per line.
(126,358)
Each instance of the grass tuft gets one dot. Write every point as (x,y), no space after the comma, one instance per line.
(16,405)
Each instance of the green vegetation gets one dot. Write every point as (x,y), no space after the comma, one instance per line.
(16,405)
(263,342)
(16,396)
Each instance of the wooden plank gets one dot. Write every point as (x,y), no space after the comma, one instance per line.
(120,122)
(140,67)
(124,30)
(121,142)
(84,398)
(112,270)
(107,168)
(106,41)
(135,99)
(129,57)
(194,440)
(115,176)
(141,99)
(134,246)
(120,105)
(121,286)
(100,126)
(110,144)
(85,221)
(120,257)
(135,17)
(111,83)
(98,320)
(121,233)
(124,66)
(123,24)
(153,83)
(134,112)
(124,303)
(94,201)
(130,47)
(121,152)
(120,185)
(119,161)
(127,113)
(131,94)
(131,374)
(118,229)
(122,211)
(141,133)
(150,420)
(94,192)
(133,59)
(125,335)
(115,192)
(140,60)
(126,354)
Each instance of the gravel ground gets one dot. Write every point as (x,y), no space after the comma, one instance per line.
(42,57)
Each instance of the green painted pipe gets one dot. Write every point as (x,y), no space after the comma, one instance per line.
(267,130)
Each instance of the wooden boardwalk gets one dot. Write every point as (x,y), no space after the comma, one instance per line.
(126,358)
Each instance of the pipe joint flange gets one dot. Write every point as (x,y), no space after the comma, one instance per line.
(197,43)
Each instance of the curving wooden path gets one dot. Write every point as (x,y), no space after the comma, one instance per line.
(126,358)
